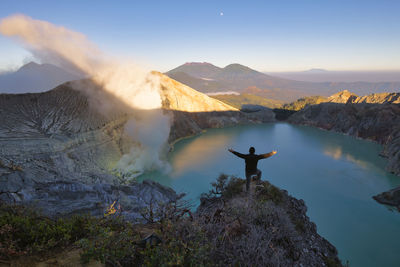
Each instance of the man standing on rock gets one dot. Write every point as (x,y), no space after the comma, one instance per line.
(251,163)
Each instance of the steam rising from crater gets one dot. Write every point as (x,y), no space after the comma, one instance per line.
(134,86)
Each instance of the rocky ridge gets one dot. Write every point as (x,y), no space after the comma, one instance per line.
(344,97)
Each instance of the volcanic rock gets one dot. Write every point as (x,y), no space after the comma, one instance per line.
(58,149)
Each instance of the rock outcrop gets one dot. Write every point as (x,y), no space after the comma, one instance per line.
(391,197)
(265,227)
(58,148)
(342,97)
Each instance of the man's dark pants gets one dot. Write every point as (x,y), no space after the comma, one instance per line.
(249,175)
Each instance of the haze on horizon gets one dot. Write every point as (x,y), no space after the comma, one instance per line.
(269,36)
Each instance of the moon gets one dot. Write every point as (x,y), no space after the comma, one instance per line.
(221,14)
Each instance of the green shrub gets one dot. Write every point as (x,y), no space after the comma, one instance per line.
(110,246)
(181,243)
(226,186)
(234,187)
(270,192)
(23,231)
(110,240)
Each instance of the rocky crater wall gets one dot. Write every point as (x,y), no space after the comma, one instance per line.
(57,151)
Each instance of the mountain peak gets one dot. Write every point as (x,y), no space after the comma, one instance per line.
(30,65)
(198,64)
(316,70)
(238,67)
(197,69)
(34,77)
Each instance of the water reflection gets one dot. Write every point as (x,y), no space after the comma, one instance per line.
(337,153)
(338,146)
(199,152)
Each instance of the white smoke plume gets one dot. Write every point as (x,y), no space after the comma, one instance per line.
(135,87)
(153,136)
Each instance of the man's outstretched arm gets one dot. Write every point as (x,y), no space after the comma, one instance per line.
(267,155)
(240,155)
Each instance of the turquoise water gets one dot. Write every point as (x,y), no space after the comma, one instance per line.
(336,175)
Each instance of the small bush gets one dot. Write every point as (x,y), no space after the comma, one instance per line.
(23,231)
(234,187)
(179,243)
(110,246)
(270,192)
(226,186)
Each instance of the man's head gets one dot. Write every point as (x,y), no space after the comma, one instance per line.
(252,150)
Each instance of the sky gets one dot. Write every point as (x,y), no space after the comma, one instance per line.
(279,35)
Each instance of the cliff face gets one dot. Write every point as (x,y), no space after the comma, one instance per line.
(192,111)
(183,98)
(58,148)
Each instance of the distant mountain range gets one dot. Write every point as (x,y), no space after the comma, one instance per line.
(321,75)
(34,78)
(208,78)
(205,78)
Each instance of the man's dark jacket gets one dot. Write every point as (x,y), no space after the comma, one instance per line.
(252,160)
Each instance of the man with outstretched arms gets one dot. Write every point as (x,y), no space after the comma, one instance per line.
(251,160)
